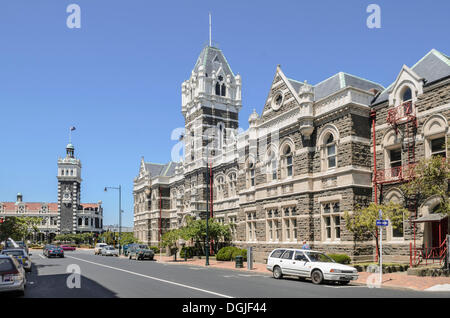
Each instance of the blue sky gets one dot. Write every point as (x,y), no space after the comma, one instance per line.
(118,78)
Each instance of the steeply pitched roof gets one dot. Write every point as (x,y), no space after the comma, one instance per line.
(165,170)
(432,67)
(212,58)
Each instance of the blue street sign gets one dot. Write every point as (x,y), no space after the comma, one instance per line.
(382,222)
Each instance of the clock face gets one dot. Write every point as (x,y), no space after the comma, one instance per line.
(66,196)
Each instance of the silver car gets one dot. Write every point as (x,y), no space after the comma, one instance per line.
(12,275)
(21,255)
(109,251)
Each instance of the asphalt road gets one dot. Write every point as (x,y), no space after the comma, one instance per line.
(111,277)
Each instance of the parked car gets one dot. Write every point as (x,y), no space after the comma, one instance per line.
(109,251)
(21,255)
(140,251)
(309,264)
(10,245)
(68,248)
(125,249)
(52,250)
(98,248)
(12,275)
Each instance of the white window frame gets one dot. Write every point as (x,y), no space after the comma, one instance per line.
(332,214)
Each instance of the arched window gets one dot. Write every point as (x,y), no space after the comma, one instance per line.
(272,166)
(80,221)
(251,175)
(224,90)
(288,161)
(217,89)
(407,95)
(330,151)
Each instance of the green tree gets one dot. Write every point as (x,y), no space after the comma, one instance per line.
(196,230)
(170,238)
(362,221)
(19,228)
(431,179)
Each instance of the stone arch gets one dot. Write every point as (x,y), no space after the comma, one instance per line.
(328,129)
(435,125)
(394,195)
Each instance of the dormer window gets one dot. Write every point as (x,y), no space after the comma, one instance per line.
(407,95)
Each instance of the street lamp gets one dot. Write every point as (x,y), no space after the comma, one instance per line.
(207,139)
(120,210)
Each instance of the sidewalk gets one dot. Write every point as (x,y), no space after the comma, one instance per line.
(391,280)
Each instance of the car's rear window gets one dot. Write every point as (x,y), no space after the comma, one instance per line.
(14,253)
(6,265)
(277,253)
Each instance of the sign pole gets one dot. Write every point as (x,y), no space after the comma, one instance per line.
(380,214)
(381,255)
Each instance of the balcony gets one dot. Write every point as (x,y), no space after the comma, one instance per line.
(395,174)
(401,113)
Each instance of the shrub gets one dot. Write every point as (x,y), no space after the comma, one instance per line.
(226,253)
(341,258)
(155,249)
(187,251)
(239,252)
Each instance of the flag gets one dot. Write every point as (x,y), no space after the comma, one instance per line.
(72,128)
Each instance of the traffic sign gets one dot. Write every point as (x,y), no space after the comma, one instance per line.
(382,222)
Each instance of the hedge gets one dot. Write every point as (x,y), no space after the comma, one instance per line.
(229,253)
(187,251)
(155,249)
(341,258)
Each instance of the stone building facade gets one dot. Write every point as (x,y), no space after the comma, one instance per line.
(304,161)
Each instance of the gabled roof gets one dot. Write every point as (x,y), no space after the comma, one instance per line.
(212,59)
(164,170)
(432,67)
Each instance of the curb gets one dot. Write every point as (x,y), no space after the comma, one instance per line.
(213,266)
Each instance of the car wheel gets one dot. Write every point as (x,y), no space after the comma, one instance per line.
(277,274)
(317,277)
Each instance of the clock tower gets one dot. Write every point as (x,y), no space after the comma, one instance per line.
(69,182)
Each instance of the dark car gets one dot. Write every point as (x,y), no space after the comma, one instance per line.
(125,249)
(52,250)
(140,251)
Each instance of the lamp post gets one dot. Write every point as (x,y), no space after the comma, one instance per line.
(207,200)
(120,210)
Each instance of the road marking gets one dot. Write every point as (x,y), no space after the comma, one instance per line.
(41,256)
(154,278)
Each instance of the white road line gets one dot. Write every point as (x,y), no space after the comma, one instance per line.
(41,256)
(154,278)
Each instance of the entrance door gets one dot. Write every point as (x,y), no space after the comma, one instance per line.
(435,232)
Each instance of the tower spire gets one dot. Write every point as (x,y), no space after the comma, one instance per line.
(210,42)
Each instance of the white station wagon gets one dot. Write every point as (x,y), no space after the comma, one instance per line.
(309,264)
